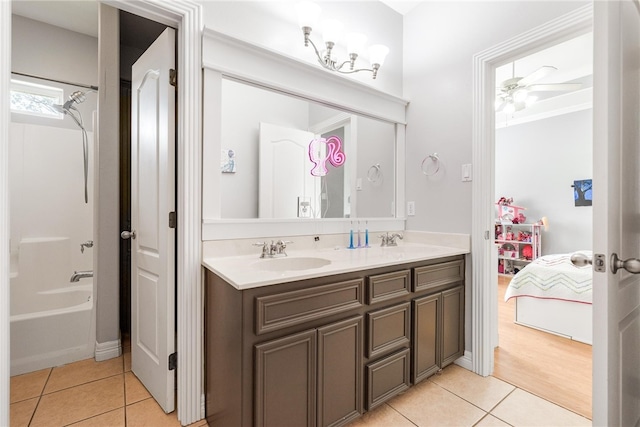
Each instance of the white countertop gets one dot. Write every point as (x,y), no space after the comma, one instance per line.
(248,271)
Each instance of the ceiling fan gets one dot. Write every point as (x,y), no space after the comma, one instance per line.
(515,94)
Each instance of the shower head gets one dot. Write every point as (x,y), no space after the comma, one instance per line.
(76,97)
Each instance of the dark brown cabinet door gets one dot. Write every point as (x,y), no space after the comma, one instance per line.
(426,337)
(452,325)
(340,372)
(285,381)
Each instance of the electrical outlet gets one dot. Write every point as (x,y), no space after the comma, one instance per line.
(411,208)
(304,207)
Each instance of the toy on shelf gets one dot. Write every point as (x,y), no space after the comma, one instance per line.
(510,213)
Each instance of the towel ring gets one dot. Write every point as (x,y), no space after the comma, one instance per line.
(374,174)
(433,158)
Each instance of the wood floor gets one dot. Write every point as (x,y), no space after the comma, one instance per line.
(554,368)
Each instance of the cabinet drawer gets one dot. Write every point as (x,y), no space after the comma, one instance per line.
(387,377)
(286,309)
(388,329)
(434,276)
(387,286)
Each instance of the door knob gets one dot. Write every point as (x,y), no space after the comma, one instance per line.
(580,260)
(632,265)
(128,234)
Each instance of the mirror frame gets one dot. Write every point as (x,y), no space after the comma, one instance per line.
(225,57)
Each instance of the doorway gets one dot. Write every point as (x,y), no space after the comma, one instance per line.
(484,301)
(540,150)
(136,35)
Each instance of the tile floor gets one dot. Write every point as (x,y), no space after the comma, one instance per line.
(107,394)
(458,397)
(86,393)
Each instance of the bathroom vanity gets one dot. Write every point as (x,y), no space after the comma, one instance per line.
(320,346)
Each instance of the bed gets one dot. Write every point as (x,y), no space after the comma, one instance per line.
(553,295)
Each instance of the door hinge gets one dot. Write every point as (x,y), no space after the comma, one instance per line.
(172,220)
(173,361)
(173,77)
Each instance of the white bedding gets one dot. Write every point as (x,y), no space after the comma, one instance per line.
(553,277)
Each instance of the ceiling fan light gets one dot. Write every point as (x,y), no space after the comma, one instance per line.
(510,108)
(530,100)
(520,95)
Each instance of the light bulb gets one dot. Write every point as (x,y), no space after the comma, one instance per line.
(355,42)
(510,108)
(377,54)
(308,14)
(520,95)
(332,30)
(530,100)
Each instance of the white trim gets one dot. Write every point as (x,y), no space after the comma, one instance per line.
(107,350)
(241,60)
(186,16)
(229,57)
(465,361)
(225,229)
(5,78)
(484,276)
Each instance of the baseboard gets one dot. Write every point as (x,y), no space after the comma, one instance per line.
(108,350)
(465,361)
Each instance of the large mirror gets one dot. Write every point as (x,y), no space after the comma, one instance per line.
(268,169)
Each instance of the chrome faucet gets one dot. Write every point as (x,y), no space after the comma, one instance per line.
(269,250)
(77,275)
(87,244)
(390,240)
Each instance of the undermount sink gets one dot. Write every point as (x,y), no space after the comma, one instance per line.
(290,263)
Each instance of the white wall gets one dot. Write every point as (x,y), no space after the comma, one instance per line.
(440,39)
(53,52)
(274,25)
(536,164)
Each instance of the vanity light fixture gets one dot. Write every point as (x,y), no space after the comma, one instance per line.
(308,14)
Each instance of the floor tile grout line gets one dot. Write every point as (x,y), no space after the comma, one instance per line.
(460,397)
(93,416)
(497,404)
(400,413)
(546,399)
(33,414)
(85,383)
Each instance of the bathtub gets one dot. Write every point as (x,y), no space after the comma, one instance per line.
(52,321)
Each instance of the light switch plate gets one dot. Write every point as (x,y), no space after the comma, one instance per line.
(466,172)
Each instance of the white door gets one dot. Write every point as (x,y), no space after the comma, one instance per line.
(616,212)
(285,183)
(152,200)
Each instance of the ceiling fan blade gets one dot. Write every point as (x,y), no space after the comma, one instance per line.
(554,87)
(537,75)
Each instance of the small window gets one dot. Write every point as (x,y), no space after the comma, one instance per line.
(36,100)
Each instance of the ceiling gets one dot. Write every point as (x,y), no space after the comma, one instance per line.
(573,59)
(80,16)
(402,6)
(574,62)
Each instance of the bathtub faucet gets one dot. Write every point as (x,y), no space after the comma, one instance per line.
(77,275)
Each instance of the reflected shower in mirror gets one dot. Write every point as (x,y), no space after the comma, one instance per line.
(266,137)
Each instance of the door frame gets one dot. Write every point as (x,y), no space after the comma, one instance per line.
(484,298)
(5,116)
(186,17)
